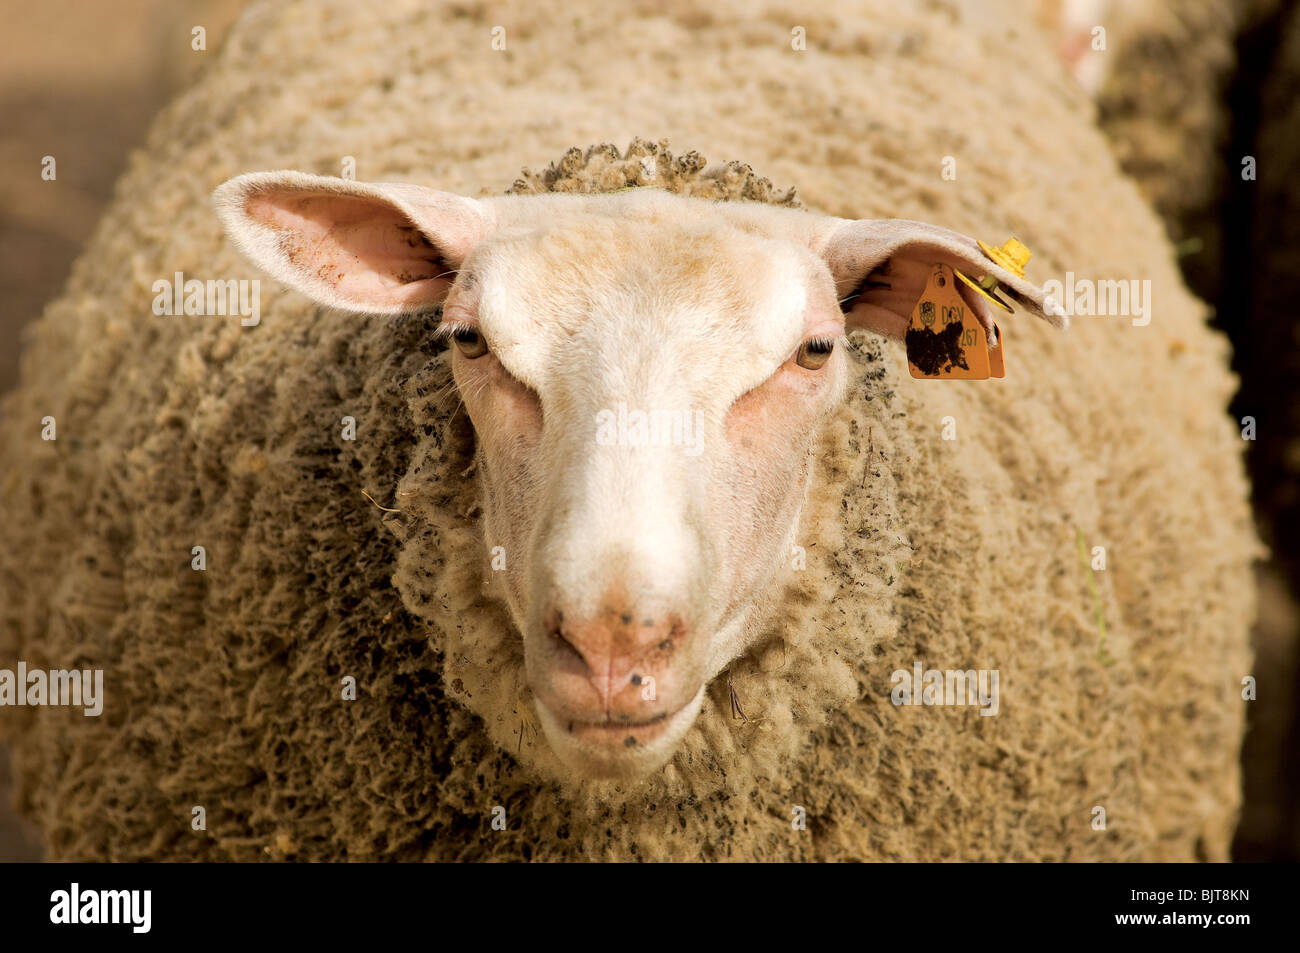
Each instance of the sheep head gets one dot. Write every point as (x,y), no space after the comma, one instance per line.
(646,374)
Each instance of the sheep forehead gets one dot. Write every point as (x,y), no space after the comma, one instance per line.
(610,293)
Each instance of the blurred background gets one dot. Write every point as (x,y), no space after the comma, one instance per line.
(1187,91)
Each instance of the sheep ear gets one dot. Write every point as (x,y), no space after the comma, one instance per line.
(880,267)
(373,248)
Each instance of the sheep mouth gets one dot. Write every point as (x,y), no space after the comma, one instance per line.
(615,730)
(608,747)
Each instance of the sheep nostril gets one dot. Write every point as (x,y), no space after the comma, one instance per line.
(556,633)
(675,633)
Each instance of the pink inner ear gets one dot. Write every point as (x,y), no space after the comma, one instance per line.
(887,310)
(366,250)
(888,296)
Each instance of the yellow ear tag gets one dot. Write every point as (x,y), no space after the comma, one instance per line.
(945,340)
(1013,256)
(988,288)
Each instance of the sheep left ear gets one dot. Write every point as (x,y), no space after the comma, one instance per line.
(377,248)
(880,267)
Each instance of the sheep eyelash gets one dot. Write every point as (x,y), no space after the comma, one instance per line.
(447,329)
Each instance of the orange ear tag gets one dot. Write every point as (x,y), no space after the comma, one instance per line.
(998,355)
(945,340)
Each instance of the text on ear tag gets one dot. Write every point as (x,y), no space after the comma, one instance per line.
(945,340)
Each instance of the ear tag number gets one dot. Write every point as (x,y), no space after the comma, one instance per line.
(945,340)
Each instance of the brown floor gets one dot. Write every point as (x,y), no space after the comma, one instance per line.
(17,840)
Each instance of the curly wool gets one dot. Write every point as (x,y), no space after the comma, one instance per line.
(224,686)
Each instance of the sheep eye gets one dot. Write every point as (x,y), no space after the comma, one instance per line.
(814,353)
(469,342)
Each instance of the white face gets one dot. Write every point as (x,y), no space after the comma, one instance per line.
(645,374)
(644,394)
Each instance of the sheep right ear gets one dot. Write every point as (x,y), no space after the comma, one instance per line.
(880,268)
(372,248)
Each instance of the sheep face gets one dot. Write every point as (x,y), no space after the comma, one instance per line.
(644,392)
(645,374)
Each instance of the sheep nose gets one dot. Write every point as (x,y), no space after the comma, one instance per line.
(617,649)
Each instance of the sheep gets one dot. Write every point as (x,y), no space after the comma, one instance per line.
(273,534)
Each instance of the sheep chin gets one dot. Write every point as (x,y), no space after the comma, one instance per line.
(594,760)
